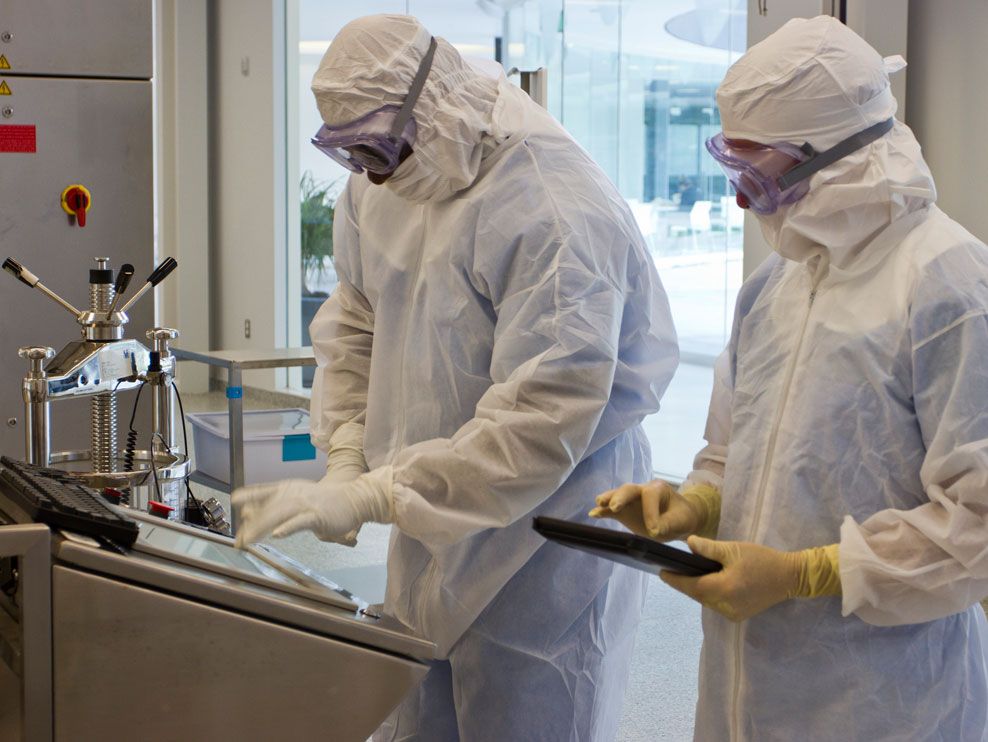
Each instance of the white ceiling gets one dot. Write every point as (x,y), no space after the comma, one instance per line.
(470,25)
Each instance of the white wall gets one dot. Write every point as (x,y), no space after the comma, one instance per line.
(247,48)
(947,103)
(181,178)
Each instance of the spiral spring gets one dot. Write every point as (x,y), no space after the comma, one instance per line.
(104,432)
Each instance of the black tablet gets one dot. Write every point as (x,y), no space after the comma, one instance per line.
(626,548)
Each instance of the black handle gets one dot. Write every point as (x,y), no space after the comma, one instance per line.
(166,267)
(123,279)
(16,270)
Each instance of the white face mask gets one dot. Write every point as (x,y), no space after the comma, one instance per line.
(414,180)
(440,167)
(851,201)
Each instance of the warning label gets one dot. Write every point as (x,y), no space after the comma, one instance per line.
(18,138)
(4,89)
(4,64)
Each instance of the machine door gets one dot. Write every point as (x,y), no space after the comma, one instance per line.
(81,38)
(133,663)
(56,133)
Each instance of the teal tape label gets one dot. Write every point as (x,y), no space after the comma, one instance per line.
(297,448)
(234,392)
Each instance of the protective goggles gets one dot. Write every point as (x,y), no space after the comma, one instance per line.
(374,142)
(768,176)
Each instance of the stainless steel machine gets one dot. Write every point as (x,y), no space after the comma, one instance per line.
(76,174)
(184,637)
(179,636)
(100,366)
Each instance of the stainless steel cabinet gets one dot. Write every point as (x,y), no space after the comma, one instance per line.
(183,637)
(75,109)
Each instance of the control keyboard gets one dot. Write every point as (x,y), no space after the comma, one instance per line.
(60,500)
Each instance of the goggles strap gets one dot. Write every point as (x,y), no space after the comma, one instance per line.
(838,151)
(413,92)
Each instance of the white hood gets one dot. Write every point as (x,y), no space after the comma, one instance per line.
(815,80)
(372,62)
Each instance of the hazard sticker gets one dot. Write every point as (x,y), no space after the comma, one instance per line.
(18,138)
(4,64)
(4,88)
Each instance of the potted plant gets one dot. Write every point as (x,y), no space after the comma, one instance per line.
(318,202)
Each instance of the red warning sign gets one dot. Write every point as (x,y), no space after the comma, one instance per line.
(18,138)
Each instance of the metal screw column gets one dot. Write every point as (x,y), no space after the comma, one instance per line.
(37,408)
(103,407)
(162,420)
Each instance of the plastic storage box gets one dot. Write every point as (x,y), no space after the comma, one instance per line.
(276,446)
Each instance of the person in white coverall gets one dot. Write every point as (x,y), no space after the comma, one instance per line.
(497,335)
(847,456)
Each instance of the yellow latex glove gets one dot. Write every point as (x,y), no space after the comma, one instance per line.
(656,510)
(756,577)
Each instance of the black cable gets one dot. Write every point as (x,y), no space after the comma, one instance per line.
(131,447)
(185,439)
(154,469)
(110,545)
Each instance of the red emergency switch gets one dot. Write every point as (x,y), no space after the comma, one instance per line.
(76,201)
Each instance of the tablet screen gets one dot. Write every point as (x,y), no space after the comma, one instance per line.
(626,548)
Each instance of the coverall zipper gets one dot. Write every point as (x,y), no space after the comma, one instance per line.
(759,501)
(398,434)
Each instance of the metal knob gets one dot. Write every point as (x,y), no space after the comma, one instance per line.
(161,333)
(37,354)
(161,336)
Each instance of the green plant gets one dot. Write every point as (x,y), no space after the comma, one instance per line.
(318,203)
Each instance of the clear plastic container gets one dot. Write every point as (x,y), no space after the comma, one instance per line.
(276,446)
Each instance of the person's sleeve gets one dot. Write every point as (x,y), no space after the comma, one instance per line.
(705,483)
(584,347)
(342,333)
(908,566)
(708,466)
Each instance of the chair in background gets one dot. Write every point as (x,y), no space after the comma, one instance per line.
(732,214)
(700,217)
(699,222)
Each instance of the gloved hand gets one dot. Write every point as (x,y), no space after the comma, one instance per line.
(345,462)
(332,511)
(656,510)
(345,459)
(756,577)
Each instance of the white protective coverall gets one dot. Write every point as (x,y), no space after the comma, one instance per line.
(850,407)
(500,331)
